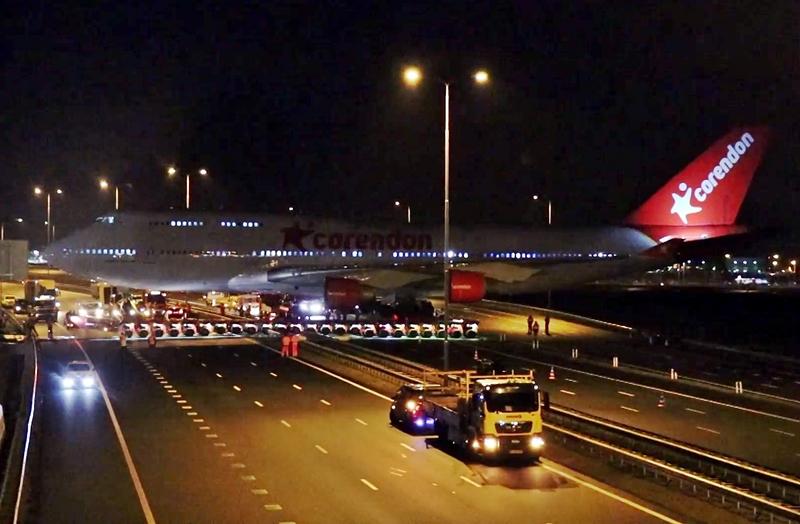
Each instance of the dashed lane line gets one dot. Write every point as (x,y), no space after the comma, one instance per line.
(273,374)
(709,430)
(625,393)
(361,422)
(321,449)
(695,411)
(369,484)
(325,402)
(626,408)
(567,392)
(409,448)
(237,388)
(298,388)
(470,481)
(258,403)
(781,432)
(286,424)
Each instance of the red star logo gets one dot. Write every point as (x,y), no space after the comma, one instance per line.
(294,236)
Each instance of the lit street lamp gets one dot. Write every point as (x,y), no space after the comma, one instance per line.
(18,220)
(412,76)
(172,170)
(549,210)
(408,210)
(50,228)
(104,185)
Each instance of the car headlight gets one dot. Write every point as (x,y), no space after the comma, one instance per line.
(411,405)
(536,442)
(491,444)
(68,382)
(17,308)
(87,382)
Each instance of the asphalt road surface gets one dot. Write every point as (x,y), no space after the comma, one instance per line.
(237,434)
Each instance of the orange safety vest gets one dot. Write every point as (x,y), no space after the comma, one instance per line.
(295,344)
(285,341)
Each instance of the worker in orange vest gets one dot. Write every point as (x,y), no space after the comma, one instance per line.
(286,340)
(296,345)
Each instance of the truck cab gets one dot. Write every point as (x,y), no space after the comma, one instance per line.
(491,416)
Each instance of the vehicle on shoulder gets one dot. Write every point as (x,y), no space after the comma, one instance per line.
(78,374)
(408,407)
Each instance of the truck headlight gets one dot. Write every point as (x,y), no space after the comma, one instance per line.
(537,442)
(491,444)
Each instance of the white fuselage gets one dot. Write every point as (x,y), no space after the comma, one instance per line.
(185,251)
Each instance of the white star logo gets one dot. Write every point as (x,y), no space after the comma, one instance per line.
(682,205)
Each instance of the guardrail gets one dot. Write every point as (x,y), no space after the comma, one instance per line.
(735,484)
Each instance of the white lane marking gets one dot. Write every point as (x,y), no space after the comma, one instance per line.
(321,449)
(714,431)
(236,354)
(220,444)
(204,428)
(28,430)
(192,413)
(177,396)
(771,386)
(137,483)
(396,474)
(567,392)
(163,382)
(199,420)
(186,407)
(298,388)
(273,374)
(629,409)
(361,422)
(398,469)
(325,402)
(238,465)
(643,386)
(259,491)
(257,403)
(218,375)
(370,485)
(609,494)
(248,478)
(696,411)
(409,448)
(286,424)
(781,432)
(228,454)
(470,481)
(168,387)
(203,364)
(626,393)
(212,435)
(253,364)
(272,507)
(571,380)
(237,388)
(182,401)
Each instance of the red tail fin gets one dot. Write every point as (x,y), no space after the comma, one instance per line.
(710,190)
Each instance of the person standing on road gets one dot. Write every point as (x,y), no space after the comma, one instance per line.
(530,324)
(151,337)
(296,345)
(286,341)
(123,337)
(535,330)
(547,325)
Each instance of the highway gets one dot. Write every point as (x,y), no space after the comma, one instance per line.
(237,434)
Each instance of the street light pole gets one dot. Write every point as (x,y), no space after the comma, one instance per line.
(48,218)
(187,191)
(116,198)
(446,254)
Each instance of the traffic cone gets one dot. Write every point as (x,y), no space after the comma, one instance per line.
(552,375)
(475,355)
(662,401)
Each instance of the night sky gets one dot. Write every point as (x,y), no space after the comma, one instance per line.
(594,105)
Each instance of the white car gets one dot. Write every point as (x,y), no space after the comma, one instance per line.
(78,374)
